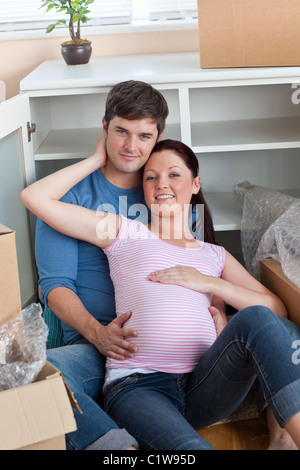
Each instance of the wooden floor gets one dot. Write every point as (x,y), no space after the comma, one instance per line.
(242,435)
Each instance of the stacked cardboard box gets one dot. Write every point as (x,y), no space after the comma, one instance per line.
(249,33)
(38,415)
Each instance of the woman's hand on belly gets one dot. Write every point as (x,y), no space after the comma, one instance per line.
(185,276)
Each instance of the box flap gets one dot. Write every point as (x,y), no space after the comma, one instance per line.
(275,267)
(4,230)
(34,413)
(49,372)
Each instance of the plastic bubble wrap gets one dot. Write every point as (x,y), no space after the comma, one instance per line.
(270,229)
(22,348)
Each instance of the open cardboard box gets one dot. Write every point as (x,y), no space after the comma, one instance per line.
(273,277)
(249,33)
(38,415)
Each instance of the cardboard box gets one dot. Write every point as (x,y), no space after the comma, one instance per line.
(274,279)
(38,415)
(10,298)
(249,33)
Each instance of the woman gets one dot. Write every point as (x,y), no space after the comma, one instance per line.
(183,375)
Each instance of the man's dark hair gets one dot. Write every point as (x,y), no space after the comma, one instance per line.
(136,100)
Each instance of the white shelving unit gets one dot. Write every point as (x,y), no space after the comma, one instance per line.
(241,123)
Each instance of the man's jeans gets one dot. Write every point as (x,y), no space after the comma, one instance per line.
(83,368)
(163,410)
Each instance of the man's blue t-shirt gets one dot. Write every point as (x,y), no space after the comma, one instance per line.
(78,265)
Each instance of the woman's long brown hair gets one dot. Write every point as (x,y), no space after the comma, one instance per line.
(191,161)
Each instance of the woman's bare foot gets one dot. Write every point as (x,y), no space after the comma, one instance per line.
(279,437)
(282,441)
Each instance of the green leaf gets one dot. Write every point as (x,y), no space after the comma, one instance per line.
(50,28)
(76,18)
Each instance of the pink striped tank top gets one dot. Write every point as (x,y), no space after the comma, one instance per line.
(174,325)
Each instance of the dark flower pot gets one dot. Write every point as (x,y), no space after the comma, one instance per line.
(76,54)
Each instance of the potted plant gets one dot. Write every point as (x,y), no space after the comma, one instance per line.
(77,50)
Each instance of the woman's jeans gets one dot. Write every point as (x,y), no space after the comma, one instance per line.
(163,410)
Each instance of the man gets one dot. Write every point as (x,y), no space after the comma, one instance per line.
(74,275)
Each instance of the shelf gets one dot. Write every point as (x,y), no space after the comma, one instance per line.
(169,68)
(79,143)
(208,137)
(68,144)
(292,192)
(225,211)
(253,134)
(227,214)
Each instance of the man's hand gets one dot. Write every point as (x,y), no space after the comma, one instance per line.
(111,339)
(219,318)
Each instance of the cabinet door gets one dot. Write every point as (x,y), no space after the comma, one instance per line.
(16,170)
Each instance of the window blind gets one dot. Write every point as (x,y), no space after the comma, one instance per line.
(16,15)
(171,9)
(22,15)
